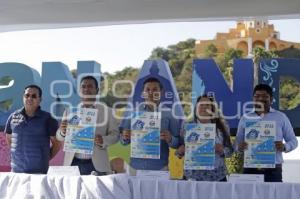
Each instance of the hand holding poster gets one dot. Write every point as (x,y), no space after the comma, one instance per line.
(199,146)
(81,130)
(260,137)
(145,135)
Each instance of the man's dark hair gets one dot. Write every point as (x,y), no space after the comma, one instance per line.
(89,77)
(152,79)
(36,87)
(263,87)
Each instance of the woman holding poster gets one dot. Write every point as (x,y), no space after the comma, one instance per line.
(206,143)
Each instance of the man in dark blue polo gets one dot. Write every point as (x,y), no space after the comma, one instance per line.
(170,128)
(29,131)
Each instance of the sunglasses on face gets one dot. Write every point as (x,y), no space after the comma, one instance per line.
(33,96)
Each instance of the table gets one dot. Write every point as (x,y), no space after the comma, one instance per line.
(160,189)
(26,186)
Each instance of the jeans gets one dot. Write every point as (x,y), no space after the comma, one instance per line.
(270,174)
(86,167)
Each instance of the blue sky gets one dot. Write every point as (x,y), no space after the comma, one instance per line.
(114,47)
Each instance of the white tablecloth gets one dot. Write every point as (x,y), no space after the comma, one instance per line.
(165,189)
(25,186)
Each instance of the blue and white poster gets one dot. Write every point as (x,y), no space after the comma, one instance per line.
(81,130)
(145,135)
(260,137)
(199,146)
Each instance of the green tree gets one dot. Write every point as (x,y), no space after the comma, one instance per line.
(5,105)
(4,81)
(160,53)
(260,53)
(210,51)
(291,52)
(180,58)
(74,73)
(232,54)
(176,55)
(289,92)
(225,62)
(121,89)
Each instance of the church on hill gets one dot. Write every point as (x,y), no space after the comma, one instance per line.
(246,36)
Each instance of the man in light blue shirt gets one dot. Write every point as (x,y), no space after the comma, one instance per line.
(262,97)
(170,128)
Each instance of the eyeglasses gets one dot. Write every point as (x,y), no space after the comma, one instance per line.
(33,96)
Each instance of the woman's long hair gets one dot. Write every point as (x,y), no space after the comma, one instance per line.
(216,118)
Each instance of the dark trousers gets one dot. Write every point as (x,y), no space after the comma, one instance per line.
(270,174)
(223,180)
(86,167)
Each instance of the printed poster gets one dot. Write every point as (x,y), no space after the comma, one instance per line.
(145,135)
(260,137)
(199,146)
(81,130)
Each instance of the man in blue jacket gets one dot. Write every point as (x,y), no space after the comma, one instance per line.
(29,132)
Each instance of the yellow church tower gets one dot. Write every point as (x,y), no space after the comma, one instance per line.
(246,36)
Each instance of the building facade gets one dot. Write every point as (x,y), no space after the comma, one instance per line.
(246,36)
